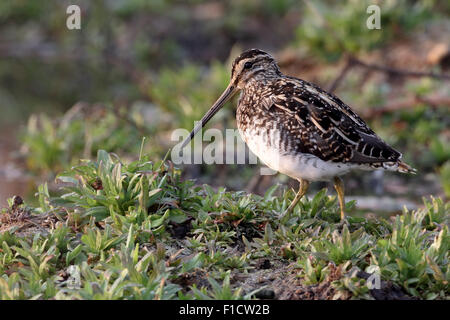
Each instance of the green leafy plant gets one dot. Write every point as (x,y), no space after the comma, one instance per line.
(52,145)
(347,31)
(138,231)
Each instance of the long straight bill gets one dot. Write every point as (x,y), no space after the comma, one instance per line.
(226,95)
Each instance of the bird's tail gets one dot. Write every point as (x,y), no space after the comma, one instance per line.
(405,168)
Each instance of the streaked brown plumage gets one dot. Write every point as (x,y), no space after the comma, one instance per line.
(297,128)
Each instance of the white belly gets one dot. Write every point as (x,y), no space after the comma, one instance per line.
(298,166)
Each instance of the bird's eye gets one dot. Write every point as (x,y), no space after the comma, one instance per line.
(248,65)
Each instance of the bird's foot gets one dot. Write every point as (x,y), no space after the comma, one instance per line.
(285,214)
(344,222)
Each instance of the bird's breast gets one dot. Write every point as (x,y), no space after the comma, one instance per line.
(268,137)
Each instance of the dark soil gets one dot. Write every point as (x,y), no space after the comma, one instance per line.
(189,279)
(388,290)
(19,219)
(280,280)
(180,230)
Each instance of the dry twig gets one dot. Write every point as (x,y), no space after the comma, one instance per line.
(398,72)
(433,102)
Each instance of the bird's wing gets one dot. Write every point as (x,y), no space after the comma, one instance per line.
(326,127)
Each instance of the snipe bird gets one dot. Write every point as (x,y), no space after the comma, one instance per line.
(299,129)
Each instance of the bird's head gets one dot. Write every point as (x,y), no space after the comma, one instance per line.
(251,64)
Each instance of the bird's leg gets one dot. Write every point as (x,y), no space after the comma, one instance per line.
(303,187)
(339,186)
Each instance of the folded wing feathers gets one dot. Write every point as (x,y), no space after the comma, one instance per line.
(335,132)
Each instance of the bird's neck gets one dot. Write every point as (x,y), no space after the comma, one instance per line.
(262,79)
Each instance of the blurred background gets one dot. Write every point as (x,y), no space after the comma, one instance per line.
(144,68)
